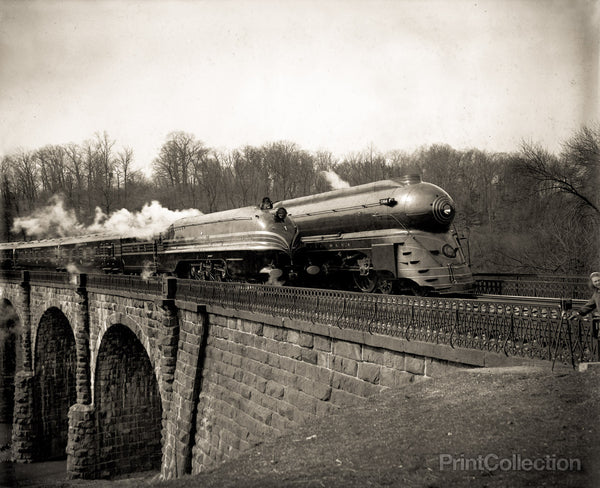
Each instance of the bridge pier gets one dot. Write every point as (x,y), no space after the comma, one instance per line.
(22,431)
(82,342)
(185,350)
(81,444)
(81,447)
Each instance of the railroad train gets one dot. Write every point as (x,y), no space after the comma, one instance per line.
(390,236)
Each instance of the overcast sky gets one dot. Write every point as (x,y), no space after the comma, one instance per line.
(327,75)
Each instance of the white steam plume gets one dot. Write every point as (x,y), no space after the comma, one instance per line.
(73,271)
(334,180)
(55,221)
(149,221)
(50,221)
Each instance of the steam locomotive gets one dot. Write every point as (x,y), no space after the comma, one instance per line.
(391,236)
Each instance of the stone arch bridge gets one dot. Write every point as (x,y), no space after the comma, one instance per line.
(119,374)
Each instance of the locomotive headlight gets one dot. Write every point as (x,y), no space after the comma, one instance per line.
(280,214)
(449,251)
(443,210)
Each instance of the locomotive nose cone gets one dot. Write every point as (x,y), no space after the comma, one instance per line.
(443,210)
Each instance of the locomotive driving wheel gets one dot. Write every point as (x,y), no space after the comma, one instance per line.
(209,271)
(366,283)
(385,286)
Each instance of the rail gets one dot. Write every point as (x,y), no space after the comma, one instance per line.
(521,329)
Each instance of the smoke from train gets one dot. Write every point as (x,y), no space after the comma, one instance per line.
(55,220)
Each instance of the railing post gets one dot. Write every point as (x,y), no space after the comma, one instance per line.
(595,339)
(169,287)
(566,304)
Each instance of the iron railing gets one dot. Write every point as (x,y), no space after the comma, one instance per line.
(570,287)
(10,275)
(43,277)
(152,286)
(535,331)
(515,329)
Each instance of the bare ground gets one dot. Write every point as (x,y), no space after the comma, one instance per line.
(528,424)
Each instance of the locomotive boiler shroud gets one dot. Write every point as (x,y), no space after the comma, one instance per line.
(390,234)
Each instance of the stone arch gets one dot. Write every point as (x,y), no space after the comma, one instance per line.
(125,320)
(9,327)
(38,313)
(128,405)
(54,384)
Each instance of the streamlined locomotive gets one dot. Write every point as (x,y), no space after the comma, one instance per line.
(392,236)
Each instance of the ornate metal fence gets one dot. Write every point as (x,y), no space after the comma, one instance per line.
(573,287)
(151,286)
(515,329)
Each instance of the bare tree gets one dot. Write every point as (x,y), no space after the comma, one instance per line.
(291,171)
(250,177)
(105,162)
(8,200)
(76,168)
(570,175)
(174,166)
(363,167)
(26,178)
(208,172)
(54,171)
(124,161)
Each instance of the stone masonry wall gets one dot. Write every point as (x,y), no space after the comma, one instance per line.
(261,379)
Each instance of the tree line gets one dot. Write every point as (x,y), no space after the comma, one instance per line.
(530,211)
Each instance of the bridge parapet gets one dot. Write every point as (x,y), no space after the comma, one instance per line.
(515,329)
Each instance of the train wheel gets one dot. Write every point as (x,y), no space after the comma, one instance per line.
(366,283)
(386,286)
